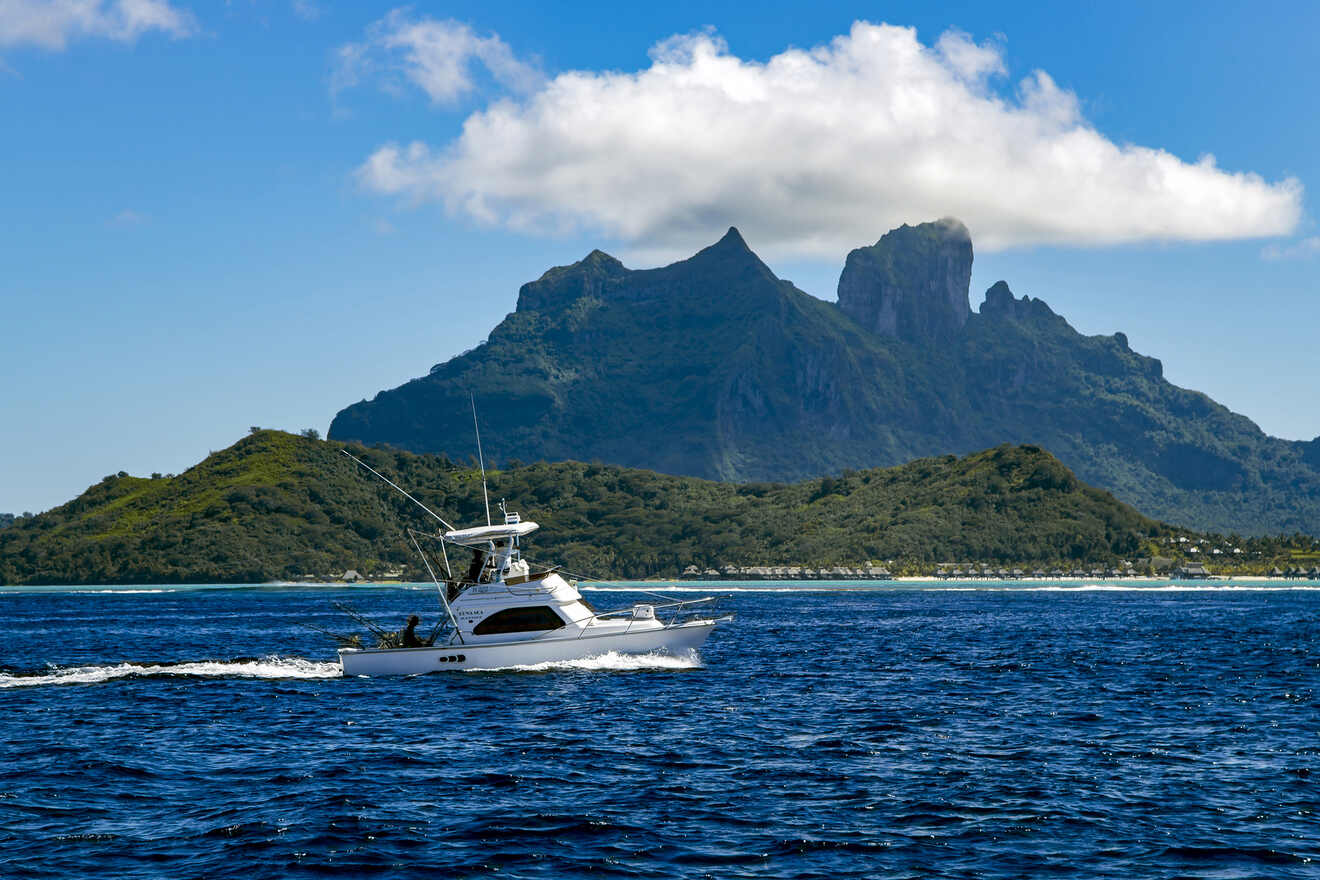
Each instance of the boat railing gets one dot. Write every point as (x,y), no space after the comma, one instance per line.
(670,614)
(684,611)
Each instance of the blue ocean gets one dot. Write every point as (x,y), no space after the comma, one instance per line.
(885,732)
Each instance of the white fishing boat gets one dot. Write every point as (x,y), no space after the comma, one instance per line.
(502,612)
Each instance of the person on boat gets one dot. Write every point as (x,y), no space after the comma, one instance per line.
(478,563)
(409,636)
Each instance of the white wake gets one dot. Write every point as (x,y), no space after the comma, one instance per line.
(266,667)
(612,661)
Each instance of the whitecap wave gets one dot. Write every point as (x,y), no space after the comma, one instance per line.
(611,661)
(266,667)
(117,592)
(722,587)
(1130,588)
(929,586)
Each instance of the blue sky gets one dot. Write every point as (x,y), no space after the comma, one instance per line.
(210,218)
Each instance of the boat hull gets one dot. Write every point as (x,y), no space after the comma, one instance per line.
(676,640)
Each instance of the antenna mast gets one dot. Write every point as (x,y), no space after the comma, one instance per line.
(480,457)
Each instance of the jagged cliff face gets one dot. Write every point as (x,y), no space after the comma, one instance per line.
(670,369)
(714,367)
(911,284)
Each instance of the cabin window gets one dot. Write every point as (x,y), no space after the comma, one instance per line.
(534,618)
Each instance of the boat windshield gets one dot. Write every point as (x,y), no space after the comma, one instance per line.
(485,565)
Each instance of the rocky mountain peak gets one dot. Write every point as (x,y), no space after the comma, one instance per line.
(732,240)
(564,285)
(729,254)
(599,258)
(999,298)
(1001,305)
(911,284)
(724,267)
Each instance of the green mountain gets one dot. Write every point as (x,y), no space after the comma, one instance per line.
(276,505)
(713,367)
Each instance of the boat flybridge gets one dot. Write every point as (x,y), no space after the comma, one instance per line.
(501,611)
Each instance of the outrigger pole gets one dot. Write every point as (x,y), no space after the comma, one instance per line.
(409,497)
(480,458)
(444,600)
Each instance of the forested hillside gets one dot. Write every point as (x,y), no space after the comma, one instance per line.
(278,506)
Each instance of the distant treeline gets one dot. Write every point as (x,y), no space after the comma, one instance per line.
(279,506)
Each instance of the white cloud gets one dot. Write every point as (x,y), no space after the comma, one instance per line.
(966,59)
(52,24)
(306,10)
(436,56)
(1302,249)
(128,217)
(816,151)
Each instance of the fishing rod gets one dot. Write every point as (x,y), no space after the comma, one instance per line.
(376,629)
(343,640)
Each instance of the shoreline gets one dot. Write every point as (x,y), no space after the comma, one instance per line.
(916,582)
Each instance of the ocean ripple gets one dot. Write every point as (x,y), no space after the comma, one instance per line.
(831,734)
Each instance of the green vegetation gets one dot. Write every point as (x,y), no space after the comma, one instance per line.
(277,505)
